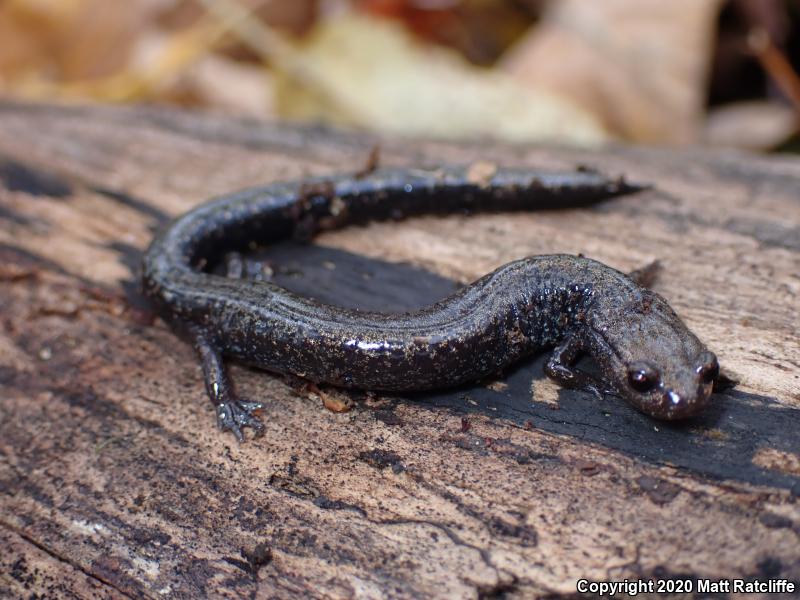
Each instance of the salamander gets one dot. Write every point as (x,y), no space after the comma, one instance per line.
(570,304)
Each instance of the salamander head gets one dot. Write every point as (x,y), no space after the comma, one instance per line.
(654,361)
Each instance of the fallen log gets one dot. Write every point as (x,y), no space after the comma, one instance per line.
(114,481)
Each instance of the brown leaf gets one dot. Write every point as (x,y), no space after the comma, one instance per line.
(335,401)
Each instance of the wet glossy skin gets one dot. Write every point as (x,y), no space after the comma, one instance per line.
(574,304)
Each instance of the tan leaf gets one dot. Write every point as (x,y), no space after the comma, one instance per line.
(69,39)
(226,85)
(371,73)
(756,125)
(640,66)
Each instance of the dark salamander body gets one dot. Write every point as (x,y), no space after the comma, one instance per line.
(577,305)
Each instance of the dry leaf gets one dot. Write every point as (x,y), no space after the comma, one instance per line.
(371,73)
(639,65)
(68,39)
(227,86)
(116,52)
(336,400)
(756,125)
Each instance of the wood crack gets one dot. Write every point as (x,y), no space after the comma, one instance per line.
(453,537)
(74,564)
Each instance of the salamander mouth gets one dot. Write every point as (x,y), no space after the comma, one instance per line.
(670,405)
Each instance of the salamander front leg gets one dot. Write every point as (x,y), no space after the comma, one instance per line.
(232,413)
(559,367)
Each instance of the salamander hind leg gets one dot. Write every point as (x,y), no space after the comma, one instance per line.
(233,413)
(559,367)
(646,275)
(239,267)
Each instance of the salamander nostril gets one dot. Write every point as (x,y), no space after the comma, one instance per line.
(673,397)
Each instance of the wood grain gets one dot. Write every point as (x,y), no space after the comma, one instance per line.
(114,481)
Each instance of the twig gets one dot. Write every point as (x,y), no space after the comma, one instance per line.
(775,63)
(272,48)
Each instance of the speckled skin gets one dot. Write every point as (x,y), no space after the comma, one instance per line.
(575,304)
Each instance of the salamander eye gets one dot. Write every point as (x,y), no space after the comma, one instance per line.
(642,378)
(709,370)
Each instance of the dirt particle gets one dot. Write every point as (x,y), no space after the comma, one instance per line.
(480,173)
(587,467)
(659,491)
(380,459)
(388,417)
(258,557)
(371,164)
(773,521)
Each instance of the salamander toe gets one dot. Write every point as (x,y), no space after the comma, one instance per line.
(233,415)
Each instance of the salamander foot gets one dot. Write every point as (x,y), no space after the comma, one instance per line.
(559,367)
(239,267)
(235,414)
(232,413)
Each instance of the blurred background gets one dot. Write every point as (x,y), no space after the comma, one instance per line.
(708,72)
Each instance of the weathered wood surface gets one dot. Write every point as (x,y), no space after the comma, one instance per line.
(114,481)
